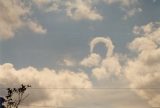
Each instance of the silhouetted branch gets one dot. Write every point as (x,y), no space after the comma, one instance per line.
(15,96)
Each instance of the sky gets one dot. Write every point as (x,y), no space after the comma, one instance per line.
(82,44)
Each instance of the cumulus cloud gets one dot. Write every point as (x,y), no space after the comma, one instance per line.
(35,27)
(142,43)
(146,29)
(68,62)
(106,67)
(75,9)
(82,9)
(45,78)
(92,60)
(110,66)
(86,9)
(14,15)
(143,71)
(11,16)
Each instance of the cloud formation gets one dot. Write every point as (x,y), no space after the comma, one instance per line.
(45,78)
(11,16)
(106,41)
(86,9)
(36,27)
(106,67)
(14,15)
(82,9)
(129,7)
(143,71)
(92,60)
(17,14)
(75,9)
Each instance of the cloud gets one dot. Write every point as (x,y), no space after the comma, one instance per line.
(45,78)
(15,15)
(75,9)
(68,62)
(146,29)
(37,28)
(122,2)
(87,9)
(142,43)
(92,60)
(109,66)
(129,7)
(106,67)
(11,16)
(82,9)
(106,41)
(50,78)
(143,70)
(48,5)
(131,12)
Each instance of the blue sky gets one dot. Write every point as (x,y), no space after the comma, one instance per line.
(49,43)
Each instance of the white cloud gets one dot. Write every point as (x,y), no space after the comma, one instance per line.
(45,78)
(82,9)
(131,12)
(86,9)
(69,62)
(92,60)
(140,72)
(146,29)
(129,7)
(106,41)
(143,71)
(110,66)
(106,67)
(142,43)
(13,16)
(75,9)
(100,73)
(35,27)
